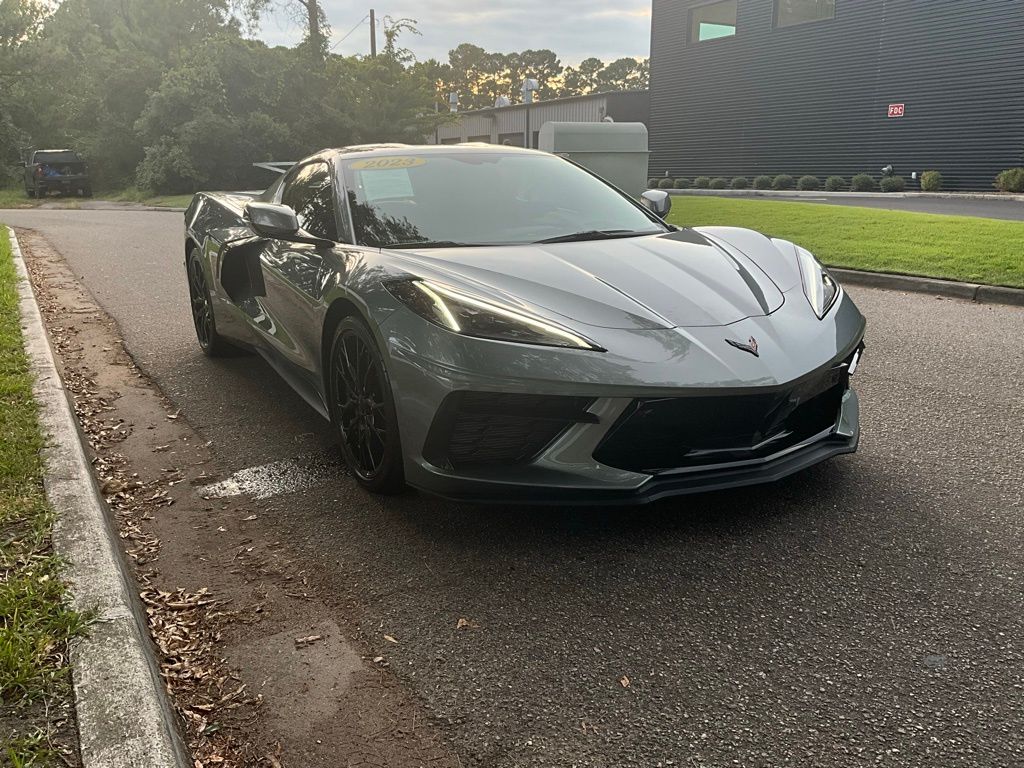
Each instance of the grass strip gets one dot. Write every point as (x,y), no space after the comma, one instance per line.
(35,620)
(975,250)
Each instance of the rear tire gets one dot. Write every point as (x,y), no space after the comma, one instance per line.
(29,192)
(362,409)
(211,342)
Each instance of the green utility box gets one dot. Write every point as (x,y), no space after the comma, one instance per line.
(617,152)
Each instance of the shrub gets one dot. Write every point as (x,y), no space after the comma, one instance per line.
(683,183)
(783,181)
(666,184)
(836,184)
(652,183)
(894,184)
(862,182)
(740,182)
(1011,180)
(719,182)
(702,182)
(931,181)
(809,184)
(763,182)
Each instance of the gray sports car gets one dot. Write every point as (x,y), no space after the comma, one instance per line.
(489,323)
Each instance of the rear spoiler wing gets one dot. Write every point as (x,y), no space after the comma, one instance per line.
(275,167)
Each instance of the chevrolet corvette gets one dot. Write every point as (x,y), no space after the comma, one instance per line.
(497,324)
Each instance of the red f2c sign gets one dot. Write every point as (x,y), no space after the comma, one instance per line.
(897,110)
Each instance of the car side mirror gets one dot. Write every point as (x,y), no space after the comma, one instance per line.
(657,201)
(272,220)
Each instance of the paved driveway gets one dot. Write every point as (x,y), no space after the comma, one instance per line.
(867,612)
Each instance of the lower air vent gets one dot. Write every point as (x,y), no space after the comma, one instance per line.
(476,429)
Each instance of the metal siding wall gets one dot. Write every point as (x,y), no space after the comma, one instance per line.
(513,119)
(813,98)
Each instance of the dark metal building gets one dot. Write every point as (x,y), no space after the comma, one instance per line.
(823,87)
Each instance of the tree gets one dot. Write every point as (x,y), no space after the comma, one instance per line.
(583,79)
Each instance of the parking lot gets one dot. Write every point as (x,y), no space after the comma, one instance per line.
(868,611)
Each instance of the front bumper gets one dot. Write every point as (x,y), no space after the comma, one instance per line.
(654,488)
(669,365)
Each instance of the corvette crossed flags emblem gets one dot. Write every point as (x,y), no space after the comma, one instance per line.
(750,346)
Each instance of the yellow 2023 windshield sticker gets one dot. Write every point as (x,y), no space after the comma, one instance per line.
(387,163)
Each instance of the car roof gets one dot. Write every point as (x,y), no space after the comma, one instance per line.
(384,150)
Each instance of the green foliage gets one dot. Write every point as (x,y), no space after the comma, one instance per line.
(652,183)
(740,182)
(931,181)
(147,102)
(783,181)
(894,184)
(1011,180)
(836,184)
(702,182)
(763,182)
(683,183)
(863,182)
(808,184)
(719,182)
(666,183)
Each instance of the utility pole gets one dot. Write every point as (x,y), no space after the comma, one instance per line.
(373,34)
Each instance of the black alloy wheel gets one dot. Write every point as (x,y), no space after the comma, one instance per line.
(363,409)
(202,311)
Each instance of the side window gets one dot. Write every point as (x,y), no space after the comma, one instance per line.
(310,193)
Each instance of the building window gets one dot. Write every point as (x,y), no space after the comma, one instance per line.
(789,13)
(712,21)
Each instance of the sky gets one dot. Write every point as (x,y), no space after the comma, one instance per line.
(573,29)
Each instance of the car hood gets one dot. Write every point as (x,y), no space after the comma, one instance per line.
(680,279)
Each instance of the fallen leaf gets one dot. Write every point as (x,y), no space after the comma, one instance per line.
(249,518)
(378,659)
(466,624)
(222,529)
(390,639)
(624,681)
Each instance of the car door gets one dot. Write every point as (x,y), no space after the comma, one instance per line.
(295,274)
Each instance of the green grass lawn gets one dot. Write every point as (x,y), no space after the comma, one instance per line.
(951,247)
(15,197)
(35,622)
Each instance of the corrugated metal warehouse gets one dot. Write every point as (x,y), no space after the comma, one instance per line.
(822,87)
(511,125)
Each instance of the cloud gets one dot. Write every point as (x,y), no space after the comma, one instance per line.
(574,29)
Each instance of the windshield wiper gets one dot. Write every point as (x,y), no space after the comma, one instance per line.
(595,234)
(431,244)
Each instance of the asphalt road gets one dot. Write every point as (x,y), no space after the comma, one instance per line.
(1011,210)
(867,612)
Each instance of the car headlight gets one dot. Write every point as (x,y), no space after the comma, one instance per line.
(472,316)
(820,288)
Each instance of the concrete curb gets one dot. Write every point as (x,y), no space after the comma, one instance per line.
(796,194)
(983,294)
(124,718)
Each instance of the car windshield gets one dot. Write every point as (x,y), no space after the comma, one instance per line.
(483,198)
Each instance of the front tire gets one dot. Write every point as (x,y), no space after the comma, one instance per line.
(211,342)
(362,409)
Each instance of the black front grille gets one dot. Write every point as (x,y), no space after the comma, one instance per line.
(668,433)
(473,429)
